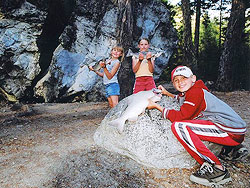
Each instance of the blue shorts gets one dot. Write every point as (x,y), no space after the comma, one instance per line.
(112,89)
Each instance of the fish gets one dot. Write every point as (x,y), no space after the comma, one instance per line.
(96,65)
(137,104)
(154,54)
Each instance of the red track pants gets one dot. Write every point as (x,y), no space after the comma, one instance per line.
(190,134)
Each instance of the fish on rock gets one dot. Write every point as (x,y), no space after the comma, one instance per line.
(137,103)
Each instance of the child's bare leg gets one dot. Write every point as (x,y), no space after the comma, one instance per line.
(114,99)
(110,102)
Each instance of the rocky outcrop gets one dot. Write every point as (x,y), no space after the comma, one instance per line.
(47,50)
(19,55)
(149,140)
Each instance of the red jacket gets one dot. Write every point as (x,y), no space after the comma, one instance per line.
(199,103)
(193,105)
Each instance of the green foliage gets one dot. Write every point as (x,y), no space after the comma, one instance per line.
(247,25)
(208,61)
(211,43)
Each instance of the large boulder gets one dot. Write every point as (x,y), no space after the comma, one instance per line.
(149,140)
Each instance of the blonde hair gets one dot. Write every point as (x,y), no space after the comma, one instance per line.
(119,48)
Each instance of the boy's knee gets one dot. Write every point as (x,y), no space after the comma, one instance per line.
(173,126)
(176,125)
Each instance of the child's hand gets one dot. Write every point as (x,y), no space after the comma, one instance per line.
(109,61)
(141,56)
(164,91)
(102,64)
(149,55)
(91,68)
(151,104)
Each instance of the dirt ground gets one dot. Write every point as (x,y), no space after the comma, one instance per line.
(36,138)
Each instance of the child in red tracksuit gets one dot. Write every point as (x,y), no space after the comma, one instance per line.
(202,116)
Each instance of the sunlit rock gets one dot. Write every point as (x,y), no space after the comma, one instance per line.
(149,140)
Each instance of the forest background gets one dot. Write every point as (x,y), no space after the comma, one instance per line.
(213,41)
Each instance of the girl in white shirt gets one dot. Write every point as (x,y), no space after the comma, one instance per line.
(143,67)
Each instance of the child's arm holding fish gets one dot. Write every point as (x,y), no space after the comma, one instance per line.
(153,105)
(165,92)
(97,72)
(103,65)
(151,62)
(137,63)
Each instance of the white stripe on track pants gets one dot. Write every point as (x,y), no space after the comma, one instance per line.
(190,134)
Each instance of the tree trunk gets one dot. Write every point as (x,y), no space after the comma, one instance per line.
(230,64)
(125,39)
(188,48)
(197,28)
(220,24)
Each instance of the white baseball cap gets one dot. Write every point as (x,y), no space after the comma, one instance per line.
(181,71)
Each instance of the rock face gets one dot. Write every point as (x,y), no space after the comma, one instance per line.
(149,140)
(46,46)
(19,54)
(95,36)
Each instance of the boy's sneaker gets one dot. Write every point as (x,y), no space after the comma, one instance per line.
(240,153)
(233,153)
(226,153)
(209,175)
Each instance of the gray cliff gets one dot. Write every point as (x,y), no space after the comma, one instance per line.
(46,46)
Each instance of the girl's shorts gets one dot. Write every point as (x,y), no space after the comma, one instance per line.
(143,83)
(112,89)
